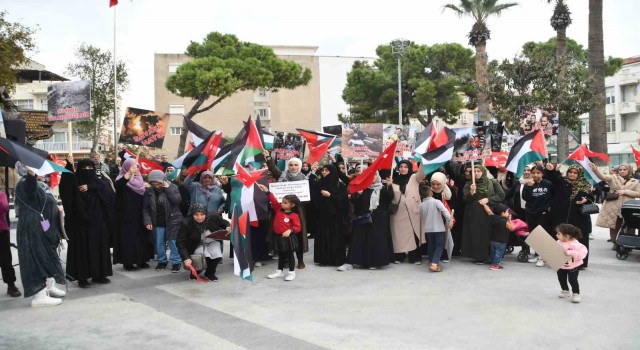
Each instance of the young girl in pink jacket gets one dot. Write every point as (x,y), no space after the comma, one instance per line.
(568,236)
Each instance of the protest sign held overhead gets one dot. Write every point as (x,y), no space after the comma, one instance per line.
(287,145)
(69,101)
(361,140)
(144,128)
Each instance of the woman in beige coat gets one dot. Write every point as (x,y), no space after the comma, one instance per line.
(626,187)
(406,225)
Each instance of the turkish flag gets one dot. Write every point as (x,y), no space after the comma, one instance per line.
(146,165)
(113,3)
(384,161)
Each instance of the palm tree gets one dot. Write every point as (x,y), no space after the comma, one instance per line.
(597,119)
(560,20)
(480,11)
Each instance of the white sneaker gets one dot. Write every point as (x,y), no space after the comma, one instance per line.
(591,237)
(576,298)
(42,298)
(540,263)
(291,275)
(345,267)
(276,274)
(418,263)
(53,290)
(445,260)
(564,294)
(257,264)
(533,260)
(396,261)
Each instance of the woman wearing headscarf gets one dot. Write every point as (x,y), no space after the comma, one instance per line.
(206,192)
(476,229)
(133,244)
(444,193)
(514,198)
(329,197)
(371,242)
(406,223)
(460,174)
(623,187)
(38,234)
(192,239)
(88,202)
(570,193)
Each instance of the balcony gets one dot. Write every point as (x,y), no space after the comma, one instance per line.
(610,109)
(59,147)
(628,107)
(628,78)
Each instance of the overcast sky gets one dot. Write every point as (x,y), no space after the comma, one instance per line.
(339,28)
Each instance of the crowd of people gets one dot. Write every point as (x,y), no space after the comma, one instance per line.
(464,210)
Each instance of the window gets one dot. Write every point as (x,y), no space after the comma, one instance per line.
(44,104)
(611,123)
(175,131)
(173,67)
(263,112)
(609,96)
(475,117)
(463,118)
(176,109)
(585,126)
(23,104)
(262,92)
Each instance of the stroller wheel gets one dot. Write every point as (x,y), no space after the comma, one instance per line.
(622,256)
(523,258)
(509,250)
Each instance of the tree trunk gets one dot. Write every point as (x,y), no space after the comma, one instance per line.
(482,79)
(597,116)
(563,131)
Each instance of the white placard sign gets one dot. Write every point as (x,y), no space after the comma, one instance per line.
(299,188)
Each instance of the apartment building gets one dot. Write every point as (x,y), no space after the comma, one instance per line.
(622,105)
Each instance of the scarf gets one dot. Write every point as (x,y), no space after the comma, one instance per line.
(331,181)
(629,172)
(135,183)
(200,208)
(484,187)
(442,179)
(289,176)
(308,171)
(578,185)
(402,180)
(86,176)
(376,186)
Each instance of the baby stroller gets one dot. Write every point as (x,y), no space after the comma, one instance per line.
(516,239)
(628,238)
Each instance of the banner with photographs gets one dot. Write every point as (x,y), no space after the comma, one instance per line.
(287,145)
(479,141)
(406,136)
(532,118)
(144,128)
(69,101)
(362,140)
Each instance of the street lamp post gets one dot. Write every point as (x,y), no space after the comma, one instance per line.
(400,47)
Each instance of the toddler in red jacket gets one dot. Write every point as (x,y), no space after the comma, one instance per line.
(568,236)
(286,224)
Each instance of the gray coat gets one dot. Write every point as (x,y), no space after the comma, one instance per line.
(171,199)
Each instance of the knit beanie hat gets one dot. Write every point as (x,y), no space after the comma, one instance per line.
(156,176)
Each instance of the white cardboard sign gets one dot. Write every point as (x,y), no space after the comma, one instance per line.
(549,250)
(299,188)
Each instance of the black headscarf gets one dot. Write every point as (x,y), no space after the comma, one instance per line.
(402,180)
(86,176)
(330,182)
(308,168)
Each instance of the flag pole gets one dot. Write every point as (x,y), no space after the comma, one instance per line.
(473,174)
(115,89)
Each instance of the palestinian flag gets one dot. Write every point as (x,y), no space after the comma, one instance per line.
(433,159)
(252,200)
(266,137)
(318,143)
(246,149)
(384,161)
(581,157)
(197,132)
(12,152)
(636,155)
(241,243)
(146,165)
(201,157)
(424,140)
(530,148)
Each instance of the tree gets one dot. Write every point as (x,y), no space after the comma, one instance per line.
(597,115)
(96,65)
(480,11)
(222,65)
(16,42)
(434,80)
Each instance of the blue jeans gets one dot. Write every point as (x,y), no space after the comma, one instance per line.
(435,245)
(161,248)
(497,251)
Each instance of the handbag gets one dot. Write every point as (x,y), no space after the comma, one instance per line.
(198,262)
(589,208)
(611,196)
(364,219)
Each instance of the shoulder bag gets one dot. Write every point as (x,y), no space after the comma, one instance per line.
(588,209)
(364,219)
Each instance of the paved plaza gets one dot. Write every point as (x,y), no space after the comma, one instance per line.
(398,307)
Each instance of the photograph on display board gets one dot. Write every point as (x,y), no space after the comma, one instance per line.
(361,140)
(69,101)
(404,134)
(531,118)
(144,127)
(287,145)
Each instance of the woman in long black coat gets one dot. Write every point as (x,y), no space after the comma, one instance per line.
(133,243)
(371,243)
(571,192)
(89,222)
(329,198)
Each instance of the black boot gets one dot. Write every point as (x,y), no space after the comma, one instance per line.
(13,291)
(212,265)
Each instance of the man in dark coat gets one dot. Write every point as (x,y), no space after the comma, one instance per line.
(89,208)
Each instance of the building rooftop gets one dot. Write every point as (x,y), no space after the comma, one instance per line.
(630,60)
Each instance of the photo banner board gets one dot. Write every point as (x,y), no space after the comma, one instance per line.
(549,250)
(38,126)
(299,188)
(362,140)
(336,147)
(287,145)
(404,134)
(532,118)
(144,128)
(69,101)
